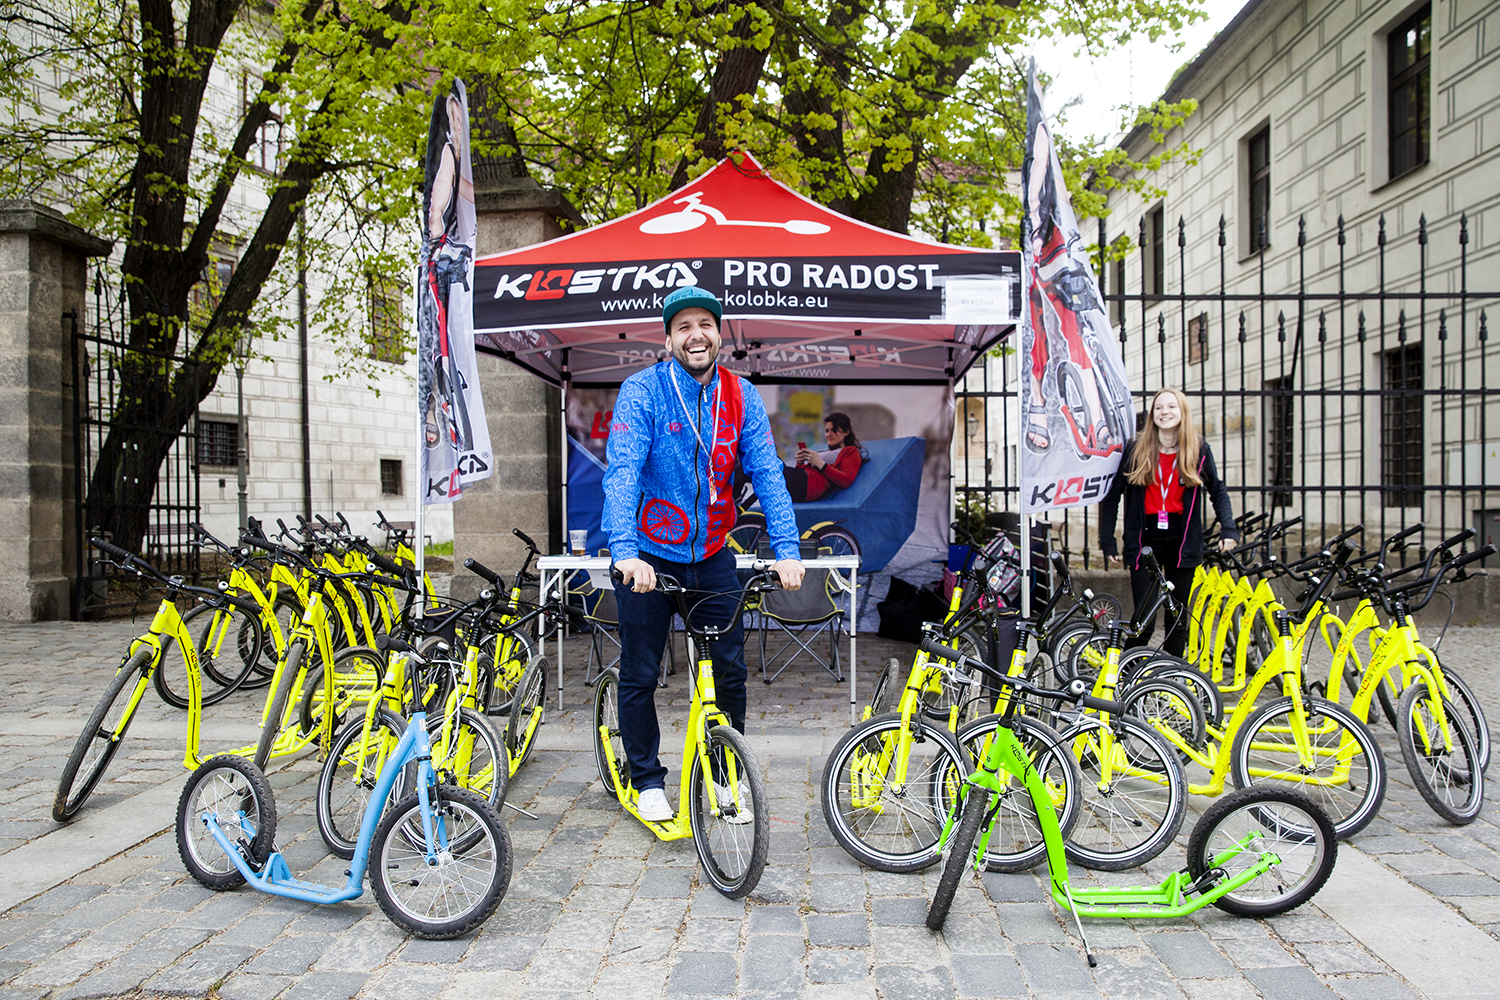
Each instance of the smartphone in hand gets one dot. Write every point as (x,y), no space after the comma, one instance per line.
(801,446)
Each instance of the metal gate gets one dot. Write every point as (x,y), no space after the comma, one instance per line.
(1344,380)
(99,346)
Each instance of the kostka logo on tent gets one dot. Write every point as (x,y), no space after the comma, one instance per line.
(694,214)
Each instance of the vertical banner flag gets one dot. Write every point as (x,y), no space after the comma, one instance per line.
(455,438)
(1076,413)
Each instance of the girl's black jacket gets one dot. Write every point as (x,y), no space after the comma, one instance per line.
(1190,550)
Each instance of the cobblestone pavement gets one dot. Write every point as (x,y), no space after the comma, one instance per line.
(598,907)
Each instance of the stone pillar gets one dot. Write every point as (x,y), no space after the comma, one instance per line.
(524,413)
(43,280)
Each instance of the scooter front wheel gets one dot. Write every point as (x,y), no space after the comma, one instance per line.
(1237,831)
(239,797)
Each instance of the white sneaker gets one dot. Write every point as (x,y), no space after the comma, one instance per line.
(744,813)
(653,805)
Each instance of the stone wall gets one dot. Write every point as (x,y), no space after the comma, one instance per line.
(43,278)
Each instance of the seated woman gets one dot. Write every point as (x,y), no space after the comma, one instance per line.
(818,473)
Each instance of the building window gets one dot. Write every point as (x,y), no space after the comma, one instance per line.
(1258,163)
(387,331)
(1116,274)
(218,442)
(390,477)
(1197,345)
(1156,252)
(266,148)
(1401,471)
(1409,52)
(1280,451)
(204,296)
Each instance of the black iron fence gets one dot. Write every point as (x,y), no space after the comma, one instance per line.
(1345,379)
(99,349)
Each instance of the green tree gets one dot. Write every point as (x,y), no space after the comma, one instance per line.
(143,118)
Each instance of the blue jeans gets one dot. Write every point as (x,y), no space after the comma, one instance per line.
(645,624)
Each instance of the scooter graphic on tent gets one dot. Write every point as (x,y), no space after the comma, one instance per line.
(694,214)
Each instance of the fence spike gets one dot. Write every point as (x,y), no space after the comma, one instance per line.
(1442,324)
(1322,327)
(1281,328)
(1361,326)
(1161,328)
(1181,231)
(1342,238)
(1380,238)
(1122,332)
(1242,328)
(1302,230)
(1484,326)
(1401,327)
(1422,229)
(1222,225)
(1463,229)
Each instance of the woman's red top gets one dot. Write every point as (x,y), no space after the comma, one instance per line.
(841,472)
(1165,491)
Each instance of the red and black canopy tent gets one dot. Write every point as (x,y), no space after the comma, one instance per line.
(810,295)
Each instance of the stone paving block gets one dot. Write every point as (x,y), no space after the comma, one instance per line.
(627,982)
(987,976)
(550,884)
(708,902)
(1053,969)
(1389,843)
(704,973)
(14,927)
(907,945)
(1371,988)
(112,980)
(493,984)
(195,974)
(773,963)
(179,898)
(21,992)
(837,965)
(614,871)
(612,898)
(905,982)
(775,920)
(974,934)
(904,911)
(420,952)
(328,919)
(39,944)
(571,971)
(1333,959)
(1288,983)
(1306,926)
(1457,885)
(781,885)
(1257,953)
(832,860)
(1014,887)
(1238,988)
(290,956)
(501,951)
(1134,974)
(711,934)
(361,949)
(662,912)
(642,944)
(843,930)
(1429,863)
(400,981)
(327,986)
(581,930)
(62,898)
(1190,955)
(666,883)
(837,894)
(1031,923)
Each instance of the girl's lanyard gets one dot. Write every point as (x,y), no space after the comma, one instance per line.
(1164,483)
(713,489)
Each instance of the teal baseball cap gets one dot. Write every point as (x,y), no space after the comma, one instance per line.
(685,298)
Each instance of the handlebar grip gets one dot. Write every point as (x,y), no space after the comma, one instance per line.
(111,549)
(1346,535)
(1058,559)
(1404,534)
(1474,556)
(343,520)
(525,538)
(385,581)
(1458,539)
(386,643)
(387,565)
(932,647)
(1285,525)
(479,569)
(244,604)
(1078,690)
(1148,556)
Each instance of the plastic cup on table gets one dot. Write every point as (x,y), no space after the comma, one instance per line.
(578,541)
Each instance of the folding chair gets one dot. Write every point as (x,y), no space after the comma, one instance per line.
(801,616)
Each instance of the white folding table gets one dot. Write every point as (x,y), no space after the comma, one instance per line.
(555,570)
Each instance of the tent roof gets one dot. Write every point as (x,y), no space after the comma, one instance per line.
(809,295)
